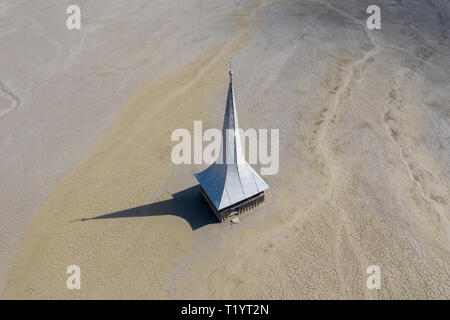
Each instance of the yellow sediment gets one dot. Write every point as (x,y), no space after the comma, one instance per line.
(122,258)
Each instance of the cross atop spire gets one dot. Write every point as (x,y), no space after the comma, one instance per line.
(230,66)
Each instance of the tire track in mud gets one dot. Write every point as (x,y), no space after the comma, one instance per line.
(422,56)
(396,100)
(341,90)
(345,71)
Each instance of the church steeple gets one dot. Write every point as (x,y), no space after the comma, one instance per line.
(230,184)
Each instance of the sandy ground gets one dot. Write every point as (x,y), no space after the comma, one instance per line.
(86,174)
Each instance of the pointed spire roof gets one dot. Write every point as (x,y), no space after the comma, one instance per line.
(230,179)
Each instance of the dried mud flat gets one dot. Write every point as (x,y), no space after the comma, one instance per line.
(87,179)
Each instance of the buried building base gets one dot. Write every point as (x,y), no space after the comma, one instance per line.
(236,208)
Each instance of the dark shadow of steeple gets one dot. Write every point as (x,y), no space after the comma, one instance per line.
(188,204)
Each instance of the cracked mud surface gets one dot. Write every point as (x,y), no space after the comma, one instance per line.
(364,119)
